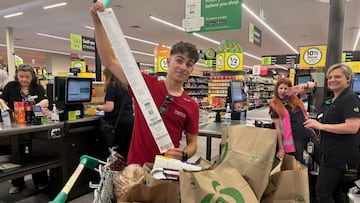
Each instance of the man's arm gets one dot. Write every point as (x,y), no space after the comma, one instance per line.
(191,144)
(103,45)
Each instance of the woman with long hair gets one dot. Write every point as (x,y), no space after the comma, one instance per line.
(288,113)
(116,95)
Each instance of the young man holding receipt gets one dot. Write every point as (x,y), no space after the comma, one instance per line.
(179,112)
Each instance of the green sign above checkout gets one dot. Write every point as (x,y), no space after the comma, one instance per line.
(82,43)
(216,15)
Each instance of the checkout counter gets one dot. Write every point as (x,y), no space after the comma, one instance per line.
(57,147)
(257,117)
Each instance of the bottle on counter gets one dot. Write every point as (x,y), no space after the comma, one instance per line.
(29,114)
(6,117)
(228,111)
(55,114)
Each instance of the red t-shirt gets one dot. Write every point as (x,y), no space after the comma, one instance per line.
(183,114)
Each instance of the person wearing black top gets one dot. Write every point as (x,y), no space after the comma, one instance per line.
(24,87)
(116,93)
(338,122)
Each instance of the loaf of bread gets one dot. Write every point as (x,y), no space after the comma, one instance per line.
(126,178)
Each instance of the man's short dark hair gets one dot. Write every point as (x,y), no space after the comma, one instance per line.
(185,47)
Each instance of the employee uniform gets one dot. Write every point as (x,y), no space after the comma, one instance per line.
(182,115)
(338,152)
(301,135)
(11,94)
(124,128)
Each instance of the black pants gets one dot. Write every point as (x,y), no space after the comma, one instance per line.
(38,178)
(328,185)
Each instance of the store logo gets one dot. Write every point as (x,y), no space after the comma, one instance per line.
(223,195)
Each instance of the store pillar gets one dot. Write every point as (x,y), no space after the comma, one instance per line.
(10,52)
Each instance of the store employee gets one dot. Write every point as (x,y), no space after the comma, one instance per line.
(25,86)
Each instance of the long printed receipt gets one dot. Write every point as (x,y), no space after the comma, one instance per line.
(135,79)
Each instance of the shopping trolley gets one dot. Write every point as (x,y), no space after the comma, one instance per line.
(103,191)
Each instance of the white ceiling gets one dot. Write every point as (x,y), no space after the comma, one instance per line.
(300,22)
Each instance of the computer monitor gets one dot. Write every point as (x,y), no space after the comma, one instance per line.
(236,90)
(78,90)
(59,89)
(356,84)
(300,79)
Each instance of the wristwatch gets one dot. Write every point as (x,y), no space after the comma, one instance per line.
(184,156)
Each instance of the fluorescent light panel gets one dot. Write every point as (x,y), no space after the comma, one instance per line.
(52,36)
(357,40)
(13,15)
(269,28)
(147,64)
(55,5)
(129,37)
(198,35)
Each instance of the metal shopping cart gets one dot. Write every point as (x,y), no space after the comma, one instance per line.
(103,191)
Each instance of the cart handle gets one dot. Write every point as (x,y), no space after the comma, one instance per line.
(85,161)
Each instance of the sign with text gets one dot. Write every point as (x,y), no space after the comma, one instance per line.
(312,56)
(348,56)
(161,54)
(215,15)
(229,61)
(280,59)
(254,35)
(82,43)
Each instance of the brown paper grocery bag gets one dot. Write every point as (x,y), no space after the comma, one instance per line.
(149,180)
(288,183)
(161,193)
(215,185)
(251,151)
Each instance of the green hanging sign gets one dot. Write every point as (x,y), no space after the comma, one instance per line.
(221,15)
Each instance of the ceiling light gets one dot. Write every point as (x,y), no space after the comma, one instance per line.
(141,40)
(147,64)
(89,27)
(269,28)
(167,23)
(328,1)
(197,35)
(206,38)
(13,15)
(129,37)
(356,41)
(55,5)
(52,36)
(142,53)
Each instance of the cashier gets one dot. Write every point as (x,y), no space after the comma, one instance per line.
(24,87)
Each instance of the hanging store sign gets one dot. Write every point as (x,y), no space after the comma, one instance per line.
(215,15)
(161,54)
(280,59)
(254,35)
(229,61)
(348,56)
(82,43)
(312,56)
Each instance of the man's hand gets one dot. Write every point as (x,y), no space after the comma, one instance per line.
(175,153)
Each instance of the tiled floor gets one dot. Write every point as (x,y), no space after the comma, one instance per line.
(28,195)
